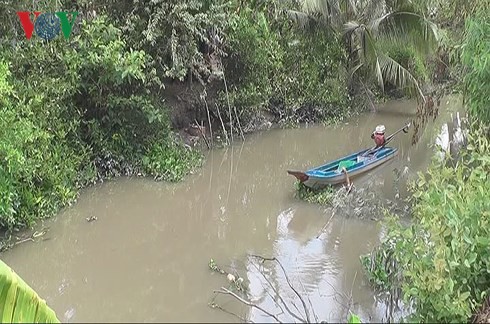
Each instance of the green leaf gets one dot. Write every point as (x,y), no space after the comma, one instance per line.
(19,302)
(472,257)
(353,318)
(464,296)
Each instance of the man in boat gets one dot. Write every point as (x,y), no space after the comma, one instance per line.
(379,138)
(379,135)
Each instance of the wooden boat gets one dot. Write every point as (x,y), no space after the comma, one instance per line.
(340,170)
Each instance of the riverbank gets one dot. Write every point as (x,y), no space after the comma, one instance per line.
(109,103)
(112,100)
(241,201)
(444,251)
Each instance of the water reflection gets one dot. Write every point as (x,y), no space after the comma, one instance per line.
(319,269)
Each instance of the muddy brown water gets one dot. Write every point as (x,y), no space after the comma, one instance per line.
(146,257)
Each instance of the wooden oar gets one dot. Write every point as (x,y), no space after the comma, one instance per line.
(388,139)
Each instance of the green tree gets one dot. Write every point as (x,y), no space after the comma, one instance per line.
(367,26)
(476,60)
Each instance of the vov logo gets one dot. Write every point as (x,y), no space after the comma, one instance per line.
(47,25)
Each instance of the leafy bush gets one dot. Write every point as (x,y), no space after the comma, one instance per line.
(268,68)
(79,112)
(381,269)
(446,272)
(174,33)
(171,162)
(445,251)
(476,58)
(322,196)
(256,56)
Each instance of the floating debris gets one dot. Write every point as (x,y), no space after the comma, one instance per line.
(91,219)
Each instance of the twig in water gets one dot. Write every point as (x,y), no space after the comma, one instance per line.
(242,319)
(227,99)
(309,302)
(231,122)
(209,120)
(222,124)
(202,133)
(333,214)
(347,179)
(24,240)
(280,297)
(246,302)
(31,238)
(239,124)
(307,313)
(337,292)
(231,176)
(325,226)
(350,297)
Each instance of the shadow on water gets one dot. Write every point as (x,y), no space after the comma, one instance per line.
(145,257)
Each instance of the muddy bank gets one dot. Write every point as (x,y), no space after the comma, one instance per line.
(194,114)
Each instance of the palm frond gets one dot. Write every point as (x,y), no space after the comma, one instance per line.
(383,66)
(409,26)
(369,46)
(321,7)
(350,27)
(301,18)
(371,55)
(399,76)
(355,69)
(372,9)
(379,75)
(408,21)
(353,7)
(348,10)
(328,10)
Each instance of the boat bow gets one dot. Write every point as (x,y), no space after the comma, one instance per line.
(301,176)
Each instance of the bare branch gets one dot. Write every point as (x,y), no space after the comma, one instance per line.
(225,291)
(241,318)
(309,302)
(280,297)
(307,313)
(351,297)
(338,292)
(328,222)
(325,226)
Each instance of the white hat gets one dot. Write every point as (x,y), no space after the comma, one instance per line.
(380,129)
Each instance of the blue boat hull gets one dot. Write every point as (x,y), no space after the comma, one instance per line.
(331,174)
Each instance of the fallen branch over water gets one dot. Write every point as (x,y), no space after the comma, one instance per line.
(241,318)
(7,243)
(263,259)
(302,320)
(243,298)
(337,205)
(213,266)
(246,302)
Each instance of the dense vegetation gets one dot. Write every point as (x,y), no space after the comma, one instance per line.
(73,114)
(444,252)
(95,105)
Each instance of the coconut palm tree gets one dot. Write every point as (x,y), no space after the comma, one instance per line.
(368,26)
